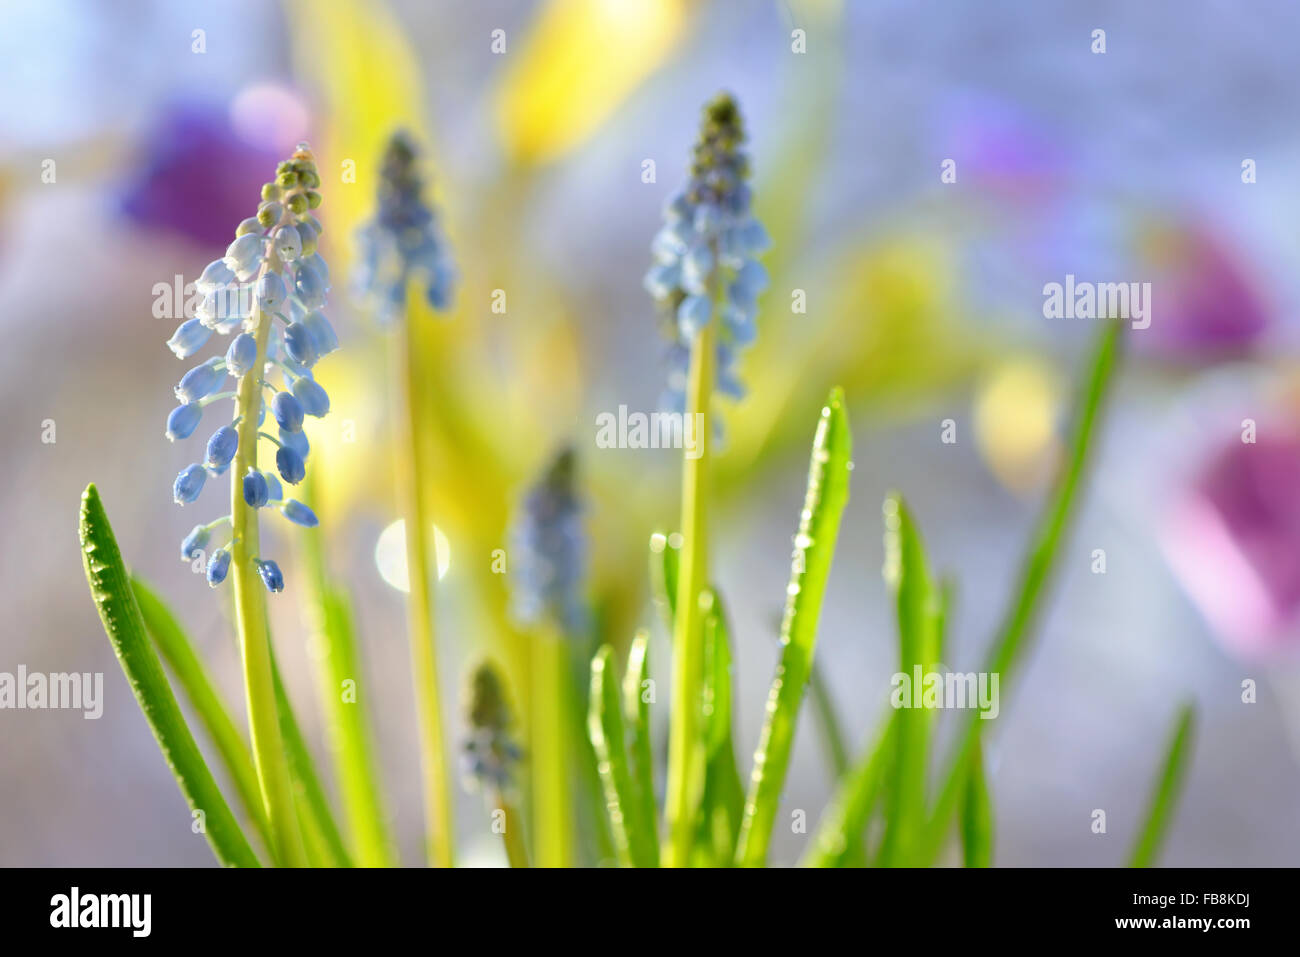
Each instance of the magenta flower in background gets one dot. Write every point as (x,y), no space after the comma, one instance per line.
(226,150)
(1234,541)
(1206,305)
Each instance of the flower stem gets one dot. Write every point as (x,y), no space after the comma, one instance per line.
(250,615)
(512,832)
(685,754)
(421,560)
(552,790)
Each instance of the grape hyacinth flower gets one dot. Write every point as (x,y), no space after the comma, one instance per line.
(268,291)
(705,266)
(706,281)
(404,265)
(548,554)
(404,241)
(271,283)
(491,755)
(549,551)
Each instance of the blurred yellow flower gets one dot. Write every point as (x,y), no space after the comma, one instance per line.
(1016,410)
(579,62)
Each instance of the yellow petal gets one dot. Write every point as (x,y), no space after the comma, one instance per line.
(1016,411)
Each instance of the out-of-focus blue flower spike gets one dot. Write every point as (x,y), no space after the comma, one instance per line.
(550,550)
(693,315)
(201,381)
(271,576)
(183,420)
(218,566)
(299,513)
(241,355)
(188,485)
(188,338)
(221,449)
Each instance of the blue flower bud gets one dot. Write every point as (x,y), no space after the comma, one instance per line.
(287,412)
(195,542)
(287,243)
(299,513)
(218,566)
(290,465)
(244,255)
(296,441)
(298,343)
(183,420)
(215,274)
(309,285)
(200,381)
(315,401)
(323,338)
(273,490)
(697,267)
(221,448)
(662,279)
(271,576)
(271,292)
(188,338)
(255,489)
(752,237)
(241,355)
(752,277)
(693,315)
(189,483)
(317,262)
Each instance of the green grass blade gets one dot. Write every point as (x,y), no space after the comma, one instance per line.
(920,615)
(190,672)
(828,493)
(1164,800)
(723,801)
(605,728)
(110,587)
(1036,572)
(977,816)
(343,694)
(320,831)
(841,833)
(636,716)
(665,560)
(828,724)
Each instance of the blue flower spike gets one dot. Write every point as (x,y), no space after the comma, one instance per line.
(549,550)
(705,267)
(267,293)
(404,241)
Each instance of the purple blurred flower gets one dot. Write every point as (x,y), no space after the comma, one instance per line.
(1234,541)
(1206,305)
(195,174)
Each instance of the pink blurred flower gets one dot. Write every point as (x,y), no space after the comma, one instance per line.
(1234,541)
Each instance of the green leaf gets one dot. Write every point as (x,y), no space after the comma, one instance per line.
(920,616)
(347,722)
(665,560)
(723,800)
(828,724)
(1164,800)
(827,494)
(977,816)
(1012,638)
(110,587)
(636,714)
(605,728)
(842,829)
(319,829)
(190,672)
